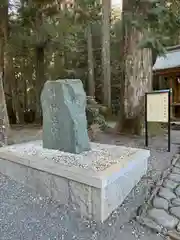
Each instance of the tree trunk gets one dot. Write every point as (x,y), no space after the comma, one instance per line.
(137,79)
(10,74)
(40,48)
(4,119)
(24,92)
(2,53)
(39,80)
(91,83)
(106,11)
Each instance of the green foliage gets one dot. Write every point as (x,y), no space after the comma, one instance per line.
(94,116)
(60,31)
(158,21)
(3,3)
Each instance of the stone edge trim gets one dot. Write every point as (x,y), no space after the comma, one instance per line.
(149,223)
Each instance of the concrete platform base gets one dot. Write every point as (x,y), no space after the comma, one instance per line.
(96,182)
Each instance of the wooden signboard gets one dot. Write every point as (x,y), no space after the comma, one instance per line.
(157,109)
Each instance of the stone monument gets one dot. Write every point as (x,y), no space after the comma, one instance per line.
(94,178)
(64,119)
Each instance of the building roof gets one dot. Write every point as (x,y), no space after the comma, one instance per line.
(169,61)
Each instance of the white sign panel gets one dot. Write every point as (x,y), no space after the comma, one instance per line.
(158,107)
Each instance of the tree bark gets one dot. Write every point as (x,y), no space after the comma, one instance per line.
(4,119)
(10,84)
(39,80)
(106,65)
(138,81)
(91,83)
(137,78)
(39,50)
(16,103)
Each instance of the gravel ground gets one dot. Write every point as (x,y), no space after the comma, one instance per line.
(27,216)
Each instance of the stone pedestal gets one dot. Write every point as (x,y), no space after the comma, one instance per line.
(96,181)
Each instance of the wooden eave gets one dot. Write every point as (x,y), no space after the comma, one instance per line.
(167,72)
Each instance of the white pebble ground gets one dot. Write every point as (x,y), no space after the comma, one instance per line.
(100,157)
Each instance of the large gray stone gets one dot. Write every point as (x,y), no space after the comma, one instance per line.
(64,119)
(178,227)
(160,203)
(166,193)
(174,177)
(169,184)
(176,170)
(177,164)
(177,191)
(175,211)
(163,218)
(176,202)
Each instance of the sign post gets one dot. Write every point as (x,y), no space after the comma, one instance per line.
(157,109)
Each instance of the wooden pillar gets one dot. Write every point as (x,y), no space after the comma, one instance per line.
(160,84)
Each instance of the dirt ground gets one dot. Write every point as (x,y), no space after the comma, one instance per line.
(24,133)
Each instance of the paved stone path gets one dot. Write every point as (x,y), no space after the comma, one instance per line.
(165,208)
